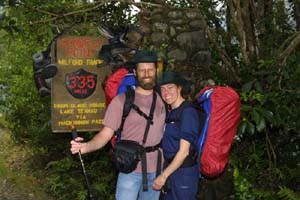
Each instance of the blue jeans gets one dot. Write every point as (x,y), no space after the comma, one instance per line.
(130,187)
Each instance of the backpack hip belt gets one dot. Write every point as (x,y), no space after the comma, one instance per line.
(152,148)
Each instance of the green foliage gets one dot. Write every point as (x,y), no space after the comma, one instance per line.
(3,170)
(266,146)
(100,173)
(243,188)
(58,182)
(27,114)
(287,194)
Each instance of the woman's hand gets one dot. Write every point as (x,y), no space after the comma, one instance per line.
(159,182)
(183,152)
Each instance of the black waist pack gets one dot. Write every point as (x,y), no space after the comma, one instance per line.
(127,154)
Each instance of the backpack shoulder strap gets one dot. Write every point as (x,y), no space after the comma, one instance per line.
(150,117)
(184,105)
(177,119)
(129,99)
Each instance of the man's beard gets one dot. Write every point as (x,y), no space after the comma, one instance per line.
(146,85)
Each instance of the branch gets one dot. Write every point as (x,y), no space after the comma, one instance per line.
(270,149)
(141,4)
(96,5)
(57,16)
(287,41)
(38,10)
(223,54)
(295,41)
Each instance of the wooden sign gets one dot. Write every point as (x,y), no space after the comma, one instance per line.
(77,96)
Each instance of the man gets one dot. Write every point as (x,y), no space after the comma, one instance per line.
(129,186)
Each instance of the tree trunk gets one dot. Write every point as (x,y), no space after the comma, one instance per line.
(240,28)
(249,21)
(296,14)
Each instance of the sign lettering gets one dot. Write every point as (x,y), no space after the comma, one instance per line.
(77,95)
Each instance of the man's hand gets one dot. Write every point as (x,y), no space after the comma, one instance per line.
(76,145)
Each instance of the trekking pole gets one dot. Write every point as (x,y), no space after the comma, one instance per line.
(90,194)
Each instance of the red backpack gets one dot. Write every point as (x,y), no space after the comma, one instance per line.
(222,107)
(118,82)
(219,116)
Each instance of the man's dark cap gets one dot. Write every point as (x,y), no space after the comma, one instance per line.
(144,56)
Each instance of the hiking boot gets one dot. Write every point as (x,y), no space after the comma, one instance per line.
(49,71)
(105,53)
(116,63)
(120,49)
(117,47)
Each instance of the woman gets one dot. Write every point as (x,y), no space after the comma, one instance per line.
(178,143)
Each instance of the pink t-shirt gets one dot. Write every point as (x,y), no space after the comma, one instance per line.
(135,124)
